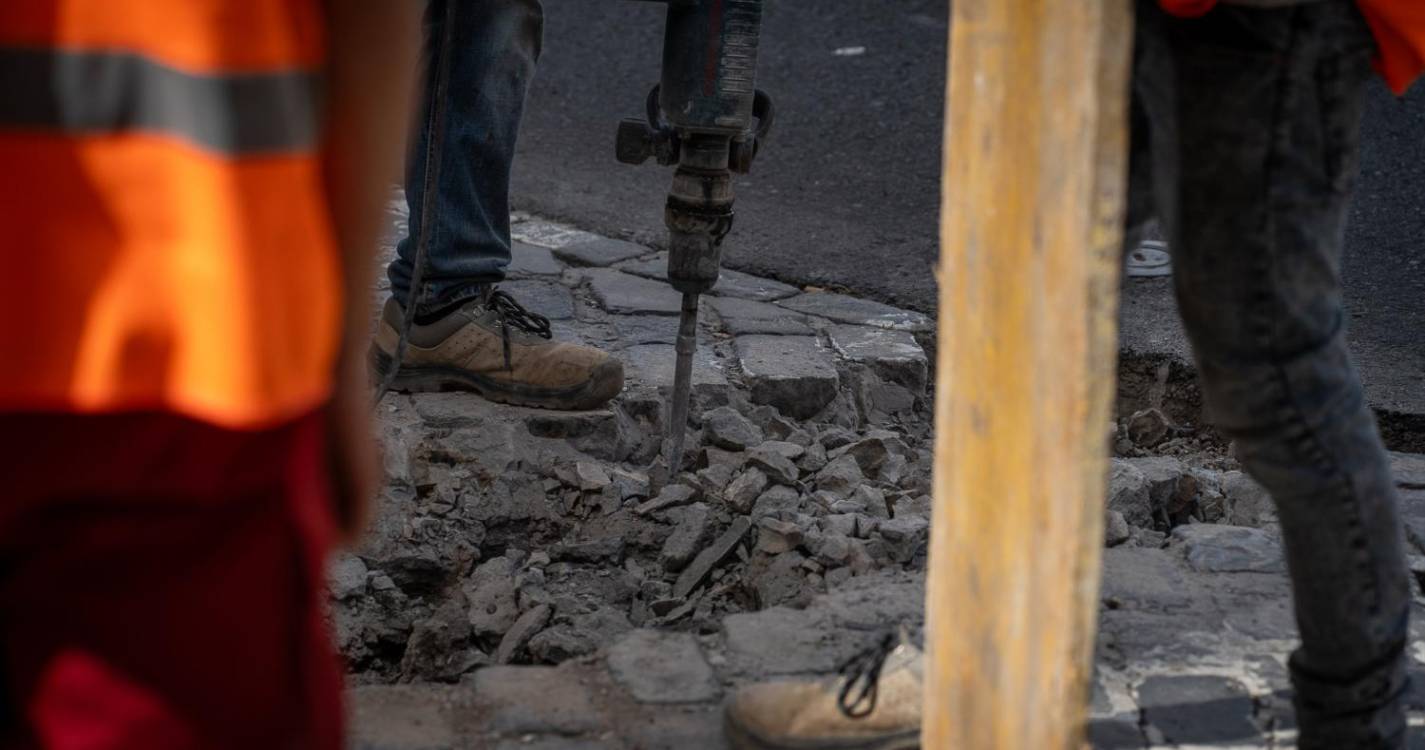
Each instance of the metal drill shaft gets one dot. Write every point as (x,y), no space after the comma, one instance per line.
(687,345)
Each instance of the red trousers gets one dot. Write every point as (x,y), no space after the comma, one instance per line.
(161,585)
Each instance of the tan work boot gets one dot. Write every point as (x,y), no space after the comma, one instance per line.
(493,346)
(874,705)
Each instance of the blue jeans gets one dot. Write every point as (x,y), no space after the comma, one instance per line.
(1252,120)
(477,62)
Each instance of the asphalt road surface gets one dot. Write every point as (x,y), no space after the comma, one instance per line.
(847,192)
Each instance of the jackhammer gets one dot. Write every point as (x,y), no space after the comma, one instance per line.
(707,117)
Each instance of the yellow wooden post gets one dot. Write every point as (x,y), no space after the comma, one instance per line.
(1034,171)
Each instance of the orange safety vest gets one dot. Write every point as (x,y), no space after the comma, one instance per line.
(1399,27)
(168,244)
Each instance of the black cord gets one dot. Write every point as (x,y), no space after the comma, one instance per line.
(435,126)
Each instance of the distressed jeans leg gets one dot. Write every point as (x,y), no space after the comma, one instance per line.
(1254,117)
(478,60)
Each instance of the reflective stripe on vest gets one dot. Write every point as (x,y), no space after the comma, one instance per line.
(170,243)
(102,93)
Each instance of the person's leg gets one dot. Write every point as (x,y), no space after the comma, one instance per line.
(1255,126)
(478,59)
(162,586)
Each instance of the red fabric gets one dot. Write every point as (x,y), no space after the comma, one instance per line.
(161,585)
(1399,27)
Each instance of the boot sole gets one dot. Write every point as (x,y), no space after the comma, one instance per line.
(605,382)
(742,738)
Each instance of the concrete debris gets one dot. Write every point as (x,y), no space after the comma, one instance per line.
(347,576)
(1115,529)
(725,427)
(688,537)
(490,591)
(841,477)
(591,476)
(1149,427)
(777,467)
(671,496)
(743,491)
(520,633)
(711,557)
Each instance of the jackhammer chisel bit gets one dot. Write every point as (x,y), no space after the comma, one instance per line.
(707,117)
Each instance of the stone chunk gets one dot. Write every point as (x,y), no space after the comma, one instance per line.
(1115,529)
(590,550)
(856,311)
(603,251)
(491,593)
(532,260)
(727,428)
(840,477)
(1149,427)
(671,496)
(634,330)
(711,557)
(1248,503)
(892,354)
(522,631)
(792,373)
(591,476)
(776,500)
(625,294)
(744,490)
(346,576)
(1213,548)
(775,536)
(687,538)
(1128,493)
(905,537)
(777,467)
(661,668)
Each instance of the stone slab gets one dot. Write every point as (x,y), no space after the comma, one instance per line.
(893,354)
(549,234)
(1214,548)
(547,298)
(661,667)
(856,311)
(625,294)
(528,260)
(599,252)
(730,283)
(653,364)
(634,330)
(1199,710)
(779,641)
(742,316)
(795,374)
(400,717)
(519,700)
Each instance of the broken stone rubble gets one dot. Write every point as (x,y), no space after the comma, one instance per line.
(797,570)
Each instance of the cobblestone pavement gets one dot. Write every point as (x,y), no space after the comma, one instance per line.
(522,589)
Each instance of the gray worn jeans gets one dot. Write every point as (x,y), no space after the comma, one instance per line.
(477,63)
(1251,119)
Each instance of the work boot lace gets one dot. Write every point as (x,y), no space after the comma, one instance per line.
(862,673)
(511,313)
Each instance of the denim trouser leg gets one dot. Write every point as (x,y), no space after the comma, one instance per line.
(1254,119)
(477,62)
